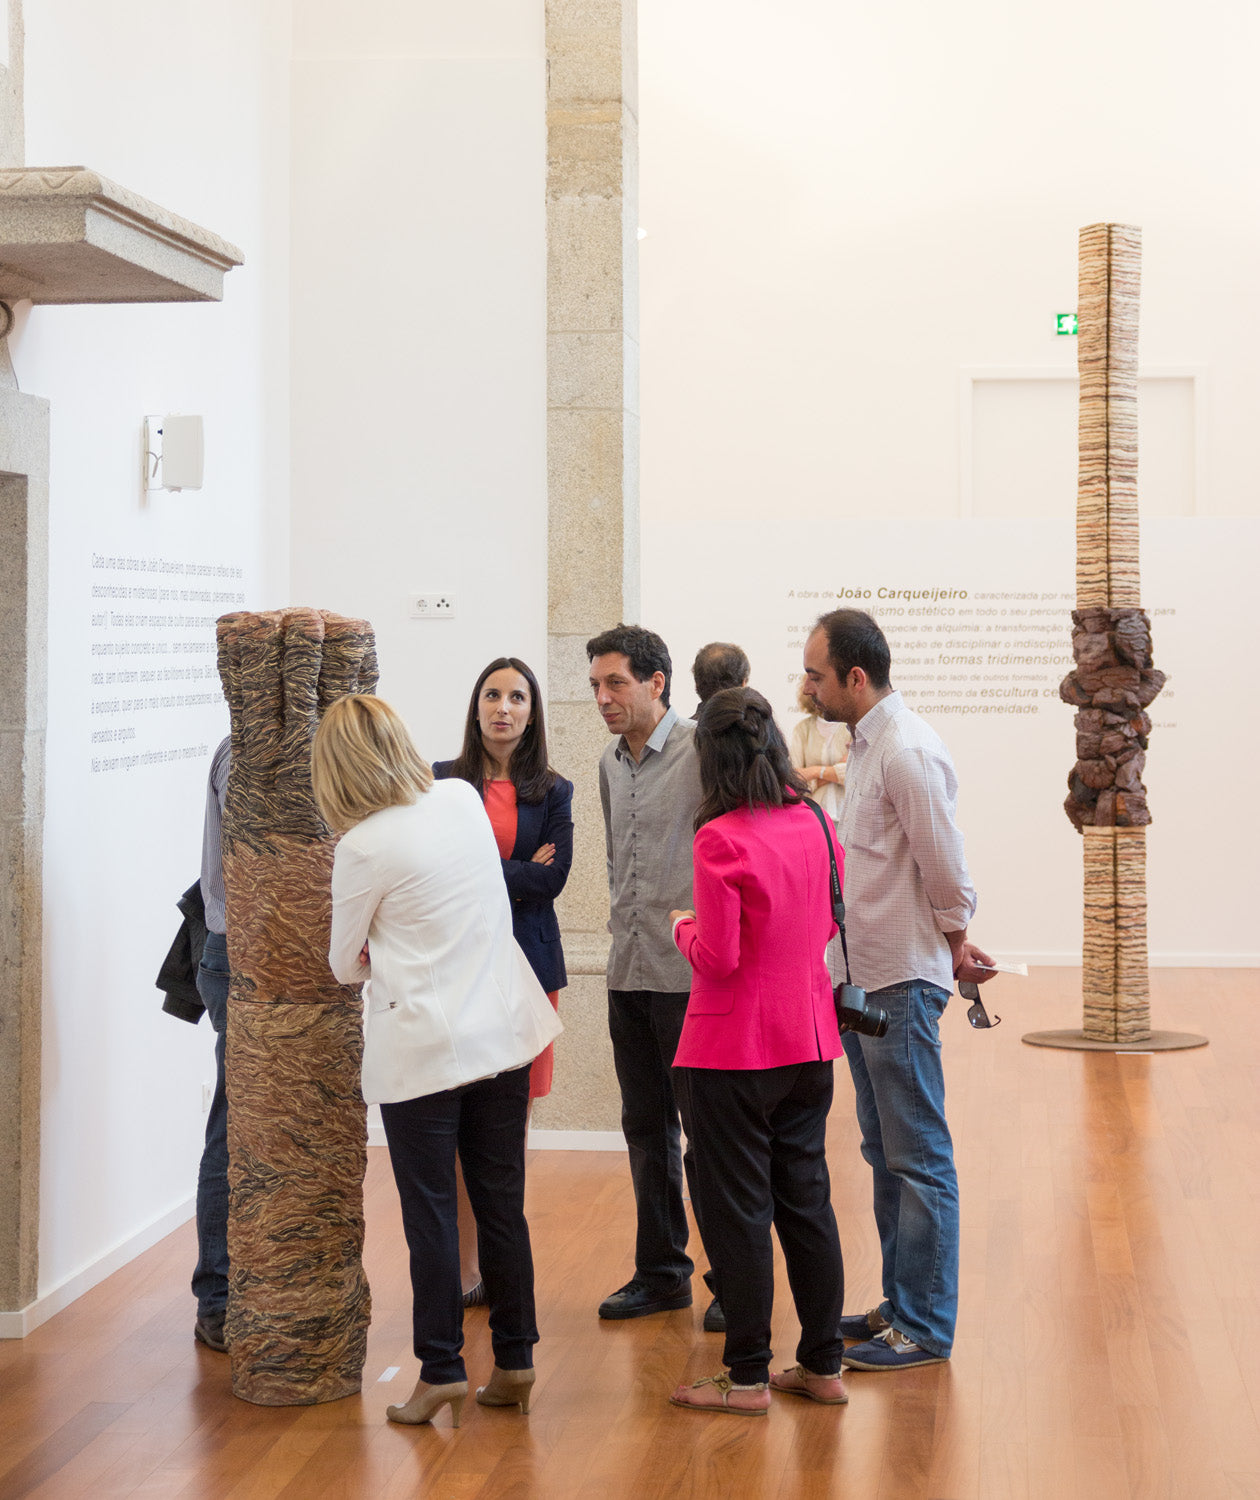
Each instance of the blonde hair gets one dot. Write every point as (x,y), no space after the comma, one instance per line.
(363,760)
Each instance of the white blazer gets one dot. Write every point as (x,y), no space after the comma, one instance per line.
(450,997)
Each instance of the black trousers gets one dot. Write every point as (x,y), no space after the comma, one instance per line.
(760,1150)
(486,1122)
(645,1026)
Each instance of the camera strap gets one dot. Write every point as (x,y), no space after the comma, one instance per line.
(837,893)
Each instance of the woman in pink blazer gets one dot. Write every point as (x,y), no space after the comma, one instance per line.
(755,1057)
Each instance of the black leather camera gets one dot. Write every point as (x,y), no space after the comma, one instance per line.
(856,1013)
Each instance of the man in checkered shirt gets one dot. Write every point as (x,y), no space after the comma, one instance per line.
(908,900)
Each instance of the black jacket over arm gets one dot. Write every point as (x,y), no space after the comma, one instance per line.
(177,977)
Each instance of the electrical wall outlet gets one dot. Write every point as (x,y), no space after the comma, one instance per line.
(431,606)
(207,1097)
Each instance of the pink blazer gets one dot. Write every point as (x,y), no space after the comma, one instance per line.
(760,992)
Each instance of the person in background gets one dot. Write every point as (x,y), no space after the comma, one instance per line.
(819,749)
(720,664)
(210,1278)
(754,1063)
(649,788)
(530,807)
(909,898)
(454,1018)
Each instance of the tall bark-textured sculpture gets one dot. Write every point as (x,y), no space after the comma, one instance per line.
(1114,681)
(299,1304)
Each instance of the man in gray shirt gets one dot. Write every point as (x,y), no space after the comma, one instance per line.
(649,785)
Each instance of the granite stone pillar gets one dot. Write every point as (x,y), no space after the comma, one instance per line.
(298,1301)
(592,469)
(11,121)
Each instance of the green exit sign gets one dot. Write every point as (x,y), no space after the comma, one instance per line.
(1065,323)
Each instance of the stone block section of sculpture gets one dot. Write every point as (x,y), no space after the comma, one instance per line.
(1098,949)
(1133,979)
(1109,286)
(299,1305)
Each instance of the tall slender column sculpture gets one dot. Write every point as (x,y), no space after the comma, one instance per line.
(298,1302)
(1114,681)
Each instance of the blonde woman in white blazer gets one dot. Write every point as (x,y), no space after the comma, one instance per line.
(453,1016)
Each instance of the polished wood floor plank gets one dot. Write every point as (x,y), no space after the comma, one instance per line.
(1108,1339)
(57,1452)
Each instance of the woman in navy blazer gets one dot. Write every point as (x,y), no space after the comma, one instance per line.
(754,1062)
(504,758)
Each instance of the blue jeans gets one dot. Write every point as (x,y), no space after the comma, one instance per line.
(900,1094)
(210,1279)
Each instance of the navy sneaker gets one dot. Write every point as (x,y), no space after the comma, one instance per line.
(889,1350)
(858,1327)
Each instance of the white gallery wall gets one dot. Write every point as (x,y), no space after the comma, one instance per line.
(860,224)
(381,356)
(418,348)
(185,104)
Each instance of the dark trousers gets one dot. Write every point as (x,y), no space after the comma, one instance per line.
(645,1026)
(210,1278)
(485,1121)
(760,1148)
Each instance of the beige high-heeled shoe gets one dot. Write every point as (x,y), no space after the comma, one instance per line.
(507,1388)
(427,1400)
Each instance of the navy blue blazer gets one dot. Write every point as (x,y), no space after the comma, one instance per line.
(533,888)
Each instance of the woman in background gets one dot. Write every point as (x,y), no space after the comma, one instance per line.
(454,1017)
(504,759)
(755,1057)
(819,750)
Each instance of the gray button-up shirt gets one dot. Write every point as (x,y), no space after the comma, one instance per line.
(649,809)
(212,892)
(906,881)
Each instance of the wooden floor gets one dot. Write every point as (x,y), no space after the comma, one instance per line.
(1108,1342)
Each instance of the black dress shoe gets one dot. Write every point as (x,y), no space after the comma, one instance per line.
(637,1299)
(714,1318)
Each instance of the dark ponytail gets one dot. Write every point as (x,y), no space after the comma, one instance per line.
(743,758)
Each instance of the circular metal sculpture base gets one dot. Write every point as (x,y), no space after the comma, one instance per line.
(1077,1041)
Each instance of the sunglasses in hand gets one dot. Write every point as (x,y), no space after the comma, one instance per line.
(976,1013)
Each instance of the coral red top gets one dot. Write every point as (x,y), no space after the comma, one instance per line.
(500,799)
(501,808)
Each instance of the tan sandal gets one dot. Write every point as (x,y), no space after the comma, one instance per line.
(829,1389)
(719,1393)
